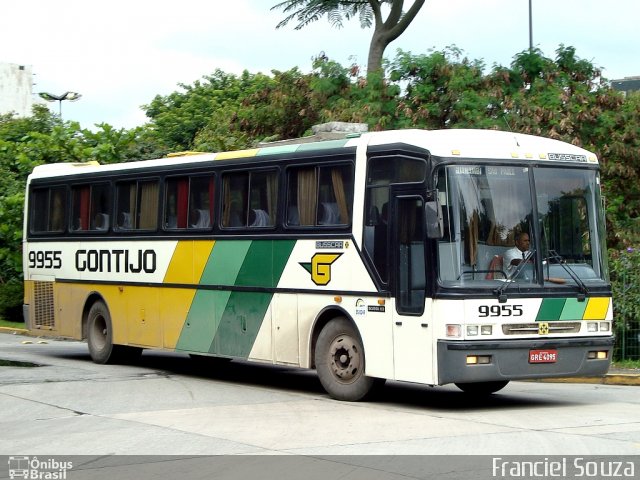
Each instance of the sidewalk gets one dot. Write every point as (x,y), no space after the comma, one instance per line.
(615,376)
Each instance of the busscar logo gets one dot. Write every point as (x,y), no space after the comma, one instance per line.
(320,267)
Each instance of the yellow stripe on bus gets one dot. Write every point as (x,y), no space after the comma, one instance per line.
(238,154)
(188,261)
(597,309)
(186,267)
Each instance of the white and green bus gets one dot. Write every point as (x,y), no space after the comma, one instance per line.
(383,256)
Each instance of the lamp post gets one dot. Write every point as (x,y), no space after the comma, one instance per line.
(530,28)
(50,97)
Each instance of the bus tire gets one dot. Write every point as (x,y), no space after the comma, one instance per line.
(482,388)
(100,334)
(340,362)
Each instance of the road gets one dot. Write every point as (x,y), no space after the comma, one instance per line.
(163,405)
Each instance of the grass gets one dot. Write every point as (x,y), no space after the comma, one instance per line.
(626,364)
(7,323)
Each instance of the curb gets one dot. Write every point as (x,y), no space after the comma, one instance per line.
(15,331)
(608,379)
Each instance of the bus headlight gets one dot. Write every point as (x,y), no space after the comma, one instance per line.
(605,326)
(486,330)
(592,326)
(472,330)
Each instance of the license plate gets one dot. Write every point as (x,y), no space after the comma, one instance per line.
(543,356)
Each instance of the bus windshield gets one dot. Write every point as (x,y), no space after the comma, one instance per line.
(490,234)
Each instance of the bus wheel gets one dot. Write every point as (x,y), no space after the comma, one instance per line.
(340,362)
(482,388)
(100,334)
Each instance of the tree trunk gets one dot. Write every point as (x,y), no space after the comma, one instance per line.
(377,47)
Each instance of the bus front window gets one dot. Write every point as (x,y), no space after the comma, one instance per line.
(568,204)
(488,215)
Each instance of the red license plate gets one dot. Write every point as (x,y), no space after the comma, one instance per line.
(543,356)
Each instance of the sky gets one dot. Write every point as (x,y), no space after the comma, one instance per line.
(120,54)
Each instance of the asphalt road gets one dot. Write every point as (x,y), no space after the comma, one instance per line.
(164,405)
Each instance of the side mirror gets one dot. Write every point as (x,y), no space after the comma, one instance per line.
(433,220)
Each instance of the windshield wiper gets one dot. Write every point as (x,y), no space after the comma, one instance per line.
(584,291)
(500,292)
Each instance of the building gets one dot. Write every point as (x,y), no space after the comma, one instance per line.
(626,84)
(16,89)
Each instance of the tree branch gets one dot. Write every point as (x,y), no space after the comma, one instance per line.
(403,23)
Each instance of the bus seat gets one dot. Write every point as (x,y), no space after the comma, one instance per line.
(261,218)
(495,267)
(330,214)
(125,220)
(293,218)
(102,222)
(204,218)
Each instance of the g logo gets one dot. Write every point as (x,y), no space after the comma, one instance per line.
(543,328)
(320,267)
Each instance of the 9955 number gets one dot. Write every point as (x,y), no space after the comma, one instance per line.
(500,311)
(45,259)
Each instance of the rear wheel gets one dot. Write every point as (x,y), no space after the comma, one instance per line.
(100,338)
(482,388)
(100,333)
(340,362)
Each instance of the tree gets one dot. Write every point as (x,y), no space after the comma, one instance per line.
(368,11)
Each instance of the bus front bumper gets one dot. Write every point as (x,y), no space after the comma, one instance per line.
(485,361)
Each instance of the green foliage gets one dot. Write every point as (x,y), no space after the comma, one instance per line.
(625,277)
(43,138)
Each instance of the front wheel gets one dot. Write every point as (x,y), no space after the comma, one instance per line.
(340,362)
(482,388)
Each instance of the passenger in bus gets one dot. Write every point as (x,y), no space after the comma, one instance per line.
(517,254)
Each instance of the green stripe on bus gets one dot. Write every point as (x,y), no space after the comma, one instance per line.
(208,307)
(322,145)
(573,309)
(550,309)
(263,266)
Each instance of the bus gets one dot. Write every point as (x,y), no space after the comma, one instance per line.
(375,257)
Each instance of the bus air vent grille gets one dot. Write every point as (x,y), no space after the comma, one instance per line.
(44,311)
(533,328)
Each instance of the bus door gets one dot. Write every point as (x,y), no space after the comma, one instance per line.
(412,328)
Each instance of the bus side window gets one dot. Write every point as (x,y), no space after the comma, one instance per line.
(319,196)
(49,210)
(137,205)
(249,199)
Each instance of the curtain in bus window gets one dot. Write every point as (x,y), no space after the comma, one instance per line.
(182,198)
(341,198)
(80,208)
(57,210)
(307,196)
(272,197)
(148,205)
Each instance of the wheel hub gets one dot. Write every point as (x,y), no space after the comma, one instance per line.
(345,358)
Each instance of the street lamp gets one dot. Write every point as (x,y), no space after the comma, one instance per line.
(50,97)
(530,28)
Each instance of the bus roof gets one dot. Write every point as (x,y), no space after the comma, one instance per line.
(451,143)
